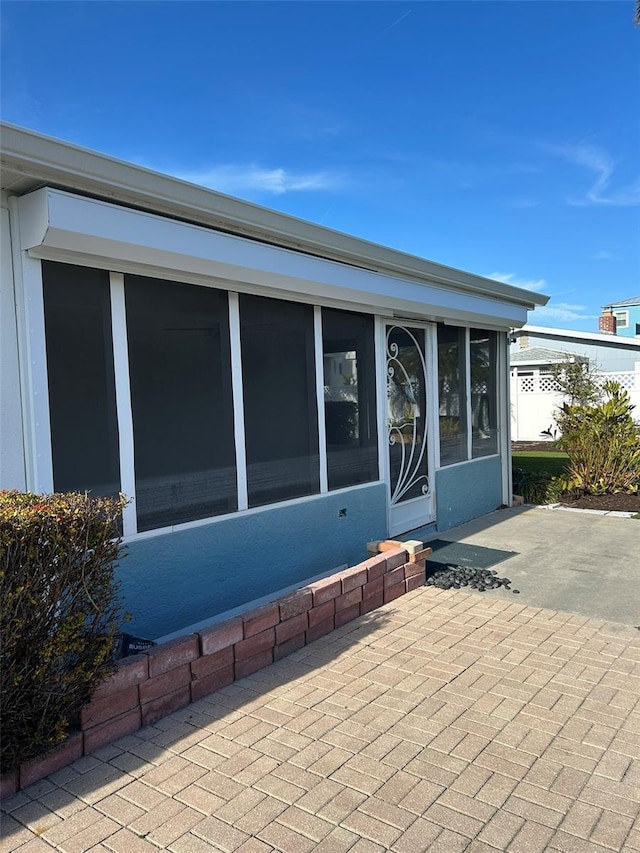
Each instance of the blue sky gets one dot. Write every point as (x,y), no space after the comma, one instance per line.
(499,137)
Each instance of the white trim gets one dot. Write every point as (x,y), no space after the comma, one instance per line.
(31,159)
(380,349)
(467,391)
(409,514)
(21,341)
(39,460)
(181,276)
(322,435)
(12,437)
(503,390)
(217,519)
(542,362)
(57,220)
(599,337)
(238,401)
(124,411)
(433,411)
(622,313)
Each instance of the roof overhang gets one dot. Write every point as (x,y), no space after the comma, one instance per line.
(62,226)
(30,161)
(579,337)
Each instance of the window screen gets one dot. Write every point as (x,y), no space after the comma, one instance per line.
(82,401)
(180,372)
(484,404)
(452,398)
(349,398)
(280,403)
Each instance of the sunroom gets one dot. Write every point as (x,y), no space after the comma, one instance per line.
(268,394)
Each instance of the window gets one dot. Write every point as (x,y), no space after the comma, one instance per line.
(484,400)
(82,402)
(280,399)
(181,437)
(622,319)
(457,408)
(349,398)
(180,373)
(452,394)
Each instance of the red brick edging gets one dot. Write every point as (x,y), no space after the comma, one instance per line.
(147,687)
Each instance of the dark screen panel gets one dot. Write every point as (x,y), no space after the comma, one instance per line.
(350,398)
(280,403)
(452,395)
(484,398)
(82,400)
(180,372)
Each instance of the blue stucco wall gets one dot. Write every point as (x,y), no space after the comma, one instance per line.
(174,580)
(466,491)
(634,319)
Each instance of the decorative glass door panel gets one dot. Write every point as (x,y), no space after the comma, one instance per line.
(410,496)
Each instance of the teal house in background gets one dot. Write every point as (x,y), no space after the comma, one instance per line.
(268,393)
(625,315)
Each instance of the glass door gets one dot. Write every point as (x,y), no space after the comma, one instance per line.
(411,501)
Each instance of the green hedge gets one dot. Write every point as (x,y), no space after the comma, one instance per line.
(536,487)
(59,615)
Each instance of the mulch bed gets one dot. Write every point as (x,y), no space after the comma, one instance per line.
(609,503)
(606,503)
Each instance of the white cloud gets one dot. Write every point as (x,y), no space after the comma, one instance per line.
(602,255)
(602,166)
(253,178)
(526,283)
(563,311)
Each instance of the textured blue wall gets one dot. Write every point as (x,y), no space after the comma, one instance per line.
(177,579)
(466,491)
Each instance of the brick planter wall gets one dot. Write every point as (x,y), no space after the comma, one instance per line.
(147,687)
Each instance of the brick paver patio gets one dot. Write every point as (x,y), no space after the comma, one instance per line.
(445,721)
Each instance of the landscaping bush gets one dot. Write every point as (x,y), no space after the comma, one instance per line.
(603,444)
(536,487)
(60,613)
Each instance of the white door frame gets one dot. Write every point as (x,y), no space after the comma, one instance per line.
(414,512)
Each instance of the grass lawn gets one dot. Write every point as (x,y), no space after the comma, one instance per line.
(553,461)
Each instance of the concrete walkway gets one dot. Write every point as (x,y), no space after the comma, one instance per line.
(582,562)
(445,721)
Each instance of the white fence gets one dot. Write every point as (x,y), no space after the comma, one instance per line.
(534,401)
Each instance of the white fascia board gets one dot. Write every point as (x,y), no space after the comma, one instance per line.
(42,160)
(545,362)
(55,223)
(571,335)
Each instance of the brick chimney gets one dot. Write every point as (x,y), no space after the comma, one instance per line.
(607,322)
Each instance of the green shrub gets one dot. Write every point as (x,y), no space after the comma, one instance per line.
(535,487)
(603,444)
(60,612)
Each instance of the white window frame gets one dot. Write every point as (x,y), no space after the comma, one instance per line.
(41,463)
(124,411)
(65,227)
(502,419)
(622,319)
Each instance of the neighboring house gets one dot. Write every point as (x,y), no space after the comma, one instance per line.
(606,352)
(534,398)
(270,394)
(622,318)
